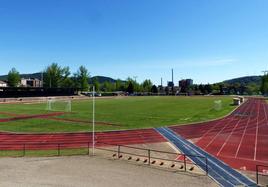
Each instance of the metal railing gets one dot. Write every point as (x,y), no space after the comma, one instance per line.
(151,155)
(147,156)
(22,148)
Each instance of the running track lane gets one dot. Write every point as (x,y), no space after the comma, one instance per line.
(217,170)
(11,141)
(240,139)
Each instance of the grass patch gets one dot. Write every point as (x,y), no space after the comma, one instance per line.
(4,116)
(123,112)
(44,153)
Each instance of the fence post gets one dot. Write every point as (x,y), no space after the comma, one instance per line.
(257,174)
(184,159)
(118,151)
(88,148)
(58,149)
(23,150)
(149,156)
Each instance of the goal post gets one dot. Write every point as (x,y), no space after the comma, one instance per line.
(59,105)
(217,105)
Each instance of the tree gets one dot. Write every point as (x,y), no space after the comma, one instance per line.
(147,85)
(96,84)
(132,85)
(264,85)
(108,86)
(221,89)
(135,84)
(13,78)
(201,88)
(66,81)
(207,88)
(54,75)
(119,85)
(130,88)
(252,89)
(82,77)
(154,89)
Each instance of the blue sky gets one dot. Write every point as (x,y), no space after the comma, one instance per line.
(206,40)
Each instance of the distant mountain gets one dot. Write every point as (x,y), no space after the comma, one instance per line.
(101,79)
(245,80)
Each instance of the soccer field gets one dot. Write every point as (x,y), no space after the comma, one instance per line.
(112,114)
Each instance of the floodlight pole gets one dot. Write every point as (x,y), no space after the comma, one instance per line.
(93,121)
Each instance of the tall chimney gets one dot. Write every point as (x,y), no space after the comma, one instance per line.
(161,82)
(172,76)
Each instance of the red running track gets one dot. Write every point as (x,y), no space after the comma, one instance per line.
(240,139)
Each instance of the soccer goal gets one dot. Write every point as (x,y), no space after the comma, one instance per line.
(217,105)
(59,105)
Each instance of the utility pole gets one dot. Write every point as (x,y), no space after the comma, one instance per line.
(93,121)
(135,78)
(265,72)
(172,81)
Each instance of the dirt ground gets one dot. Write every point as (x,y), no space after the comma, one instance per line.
(89,171)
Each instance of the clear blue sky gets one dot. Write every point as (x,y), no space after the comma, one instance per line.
(207,40)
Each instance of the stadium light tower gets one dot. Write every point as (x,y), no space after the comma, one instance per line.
(265,72)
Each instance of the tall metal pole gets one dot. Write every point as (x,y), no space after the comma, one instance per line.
(93,121)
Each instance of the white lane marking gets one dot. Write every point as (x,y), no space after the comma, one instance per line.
(227,139)
(233,130)
(244,132)
(257,131)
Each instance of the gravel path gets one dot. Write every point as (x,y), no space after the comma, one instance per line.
(89,171)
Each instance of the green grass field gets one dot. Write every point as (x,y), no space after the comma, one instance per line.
(116,113)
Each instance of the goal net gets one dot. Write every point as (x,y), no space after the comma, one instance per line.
(59,105)
(217,105)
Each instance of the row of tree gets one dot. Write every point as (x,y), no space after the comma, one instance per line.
(55,76)
(130,86)
(224,89)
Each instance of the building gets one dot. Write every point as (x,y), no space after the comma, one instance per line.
(184,84)
(31,82)
(170,84)
(3,84)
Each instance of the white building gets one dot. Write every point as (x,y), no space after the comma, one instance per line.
(31,83)
(3,84)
